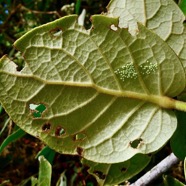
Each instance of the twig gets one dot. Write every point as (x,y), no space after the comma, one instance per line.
(20,7)
(40,12)
(157,171)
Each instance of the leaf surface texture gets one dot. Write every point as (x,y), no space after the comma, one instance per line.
(91,92)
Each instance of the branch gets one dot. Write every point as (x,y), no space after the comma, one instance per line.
(40,12)
(157,171)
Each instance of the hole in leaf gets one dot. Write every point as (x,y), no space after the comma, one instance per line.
(135,144)
(37,110)
(123,169)
(56,32)
(79,150)
(59,131)
(113,27)
(79,137)
(46,127)
(19,68)
(18,59)
(100,175)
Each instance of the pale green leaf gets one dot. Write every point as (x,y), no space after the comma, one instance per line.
(62,181)
(112,174)
(34,181)
(163,17)
(98,93)
(45,172)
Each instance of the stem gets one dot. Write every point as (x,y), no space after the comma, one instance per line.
(160,100)
(157,171)
(180,105)
(77,7)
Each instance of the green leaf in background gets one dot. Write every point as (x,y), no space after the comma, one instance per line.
(5,124)
(162,17)
(178,140)
(182,5)
(185,168)
(1,109)
(62,181)
(33,181)
(5,182)
(48,153)
(29,181)
(170,181)
(11,138)
(112,174)
(104,90)
(77,6)
(45,172)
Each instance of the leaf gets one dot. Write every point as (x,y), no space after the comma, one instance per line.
(182,5)
(48,153)
(184,168)
(106,93)
(112,174)
(170,181)
(5,182)
(62,181)
(1,109)
(45,172)
(33,181)
(78,6)
(163,17)
(5,124)
(29,181)
(178,140)
(11,138)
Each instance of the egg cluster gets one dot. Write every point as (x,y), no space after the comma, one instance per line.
(128,71)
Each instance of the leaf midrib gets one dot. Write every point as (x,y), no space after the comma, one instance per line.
(159,100)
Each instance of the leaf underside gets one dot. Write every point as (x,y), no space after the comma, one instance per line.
(84,81)
(163,17)
(111,174)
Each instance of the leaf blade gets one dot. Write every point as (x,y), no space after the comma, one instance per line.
(111,174)
(45,172)
(164,18)
(72,81)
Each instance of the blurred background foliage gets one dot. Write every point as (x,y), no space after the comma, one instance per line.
(18,163)
(19,16)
